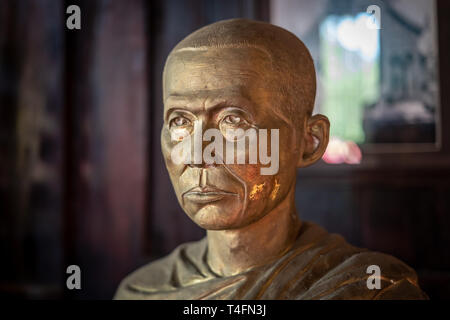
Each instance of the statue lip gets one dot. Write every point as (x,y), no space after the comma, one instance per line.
(207,194)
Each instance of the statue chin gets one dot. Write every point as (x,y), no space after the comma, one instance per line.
(217,217)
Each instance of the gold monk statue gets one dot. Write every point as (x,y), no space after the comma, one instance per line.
(238,77)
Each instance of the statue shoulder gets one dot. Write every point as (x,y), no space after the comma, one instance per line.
(343,271)
(160,275)
(370,275)
(398,280)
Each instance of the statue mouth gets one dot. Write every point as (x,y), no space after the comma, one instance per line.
(207,194)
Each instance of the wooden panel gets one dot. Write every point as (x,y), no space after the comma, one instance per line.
(31,96)
(106,120)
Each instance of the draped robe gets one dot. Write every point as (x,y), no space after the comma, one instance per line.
(319,265)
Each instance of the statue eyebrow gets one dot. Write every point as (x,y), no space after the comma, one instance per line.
(227,105)
(170,110)
(218,107)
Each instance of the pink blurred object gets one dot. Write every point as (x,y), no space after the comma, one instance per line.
(339,151)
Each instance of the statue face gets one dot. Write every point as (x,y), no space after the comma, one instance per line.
(225,88)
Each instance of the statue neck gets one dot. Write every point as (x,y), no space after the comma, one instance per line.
(233,251)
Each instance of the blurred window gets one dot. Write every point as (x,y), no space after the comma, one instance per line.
(376,72)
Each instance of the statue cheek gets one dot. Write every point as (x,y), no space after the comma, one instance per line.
(166,144)
(258,186)
(247,172)
(167,147)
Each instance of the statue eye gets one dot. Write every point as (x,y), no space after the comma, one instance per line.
(179,122)
(230,119)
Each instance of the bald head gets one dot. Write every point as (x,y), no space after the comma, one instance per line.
(291,68)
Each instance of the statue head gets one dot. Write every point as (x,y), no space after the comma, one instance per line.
(235,91)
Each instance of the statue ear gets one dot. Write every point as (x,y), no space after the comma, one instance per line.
(315,140)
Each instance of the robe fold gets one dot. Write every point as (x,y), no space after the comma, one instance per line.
(318,266)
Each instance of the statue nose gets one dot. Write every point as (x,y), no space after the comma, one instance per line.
(203,164)
(198,156)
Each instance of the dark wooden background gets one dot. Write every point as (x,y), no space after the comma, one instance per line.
(82,179)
